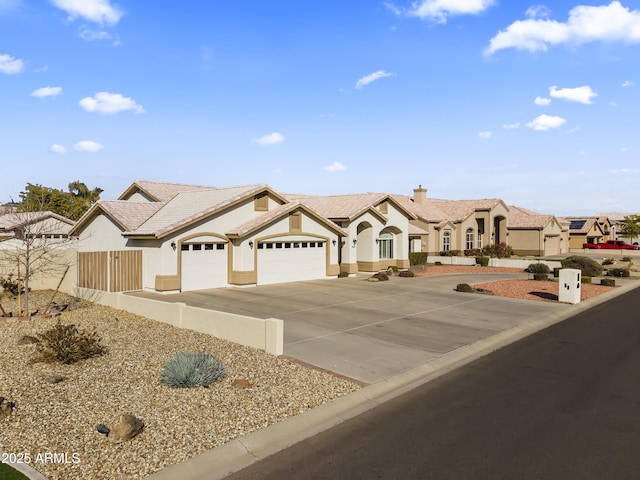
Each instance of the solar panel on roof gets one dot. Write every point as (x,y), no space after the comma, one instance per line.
(576,224)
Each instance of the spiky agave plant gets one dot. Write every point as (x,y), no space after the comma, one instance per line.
(192,369)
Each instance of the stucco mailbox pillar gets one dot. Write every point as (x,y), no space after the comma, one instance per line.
(569,283)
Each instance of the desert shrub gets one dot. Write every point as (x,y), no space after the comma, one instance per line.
(608,282)
(392,269)
(10,285)
(501,250)
(66,344)
(482,261)
(586,279)
(541,276)
(438,263)
(618,272)
(538,268)
(472,252)
(406,274)
(608,261)
(418,258)
(588,266)
(382,276)
(556,272)
(626,259)
(464,287)
(449,253)
(192,369)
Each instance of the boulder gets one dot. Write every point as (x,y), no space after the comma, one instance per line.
(6,408)
(54,378)
(127,427)
(241,383)
(28,339)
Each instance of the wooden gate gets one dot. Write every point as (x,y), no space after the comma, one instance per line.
(114,271)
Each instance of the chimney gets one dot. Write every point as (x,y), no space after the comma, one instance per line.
(420,195)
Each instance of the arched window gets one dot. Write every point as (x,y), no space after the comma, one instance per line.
(446,241)
(469,238)
(385,246)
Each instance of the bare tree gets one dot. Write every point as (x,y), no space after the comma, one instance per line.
(33,244)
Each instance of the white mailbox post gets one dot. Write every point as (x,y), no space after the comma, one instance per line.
(569,285)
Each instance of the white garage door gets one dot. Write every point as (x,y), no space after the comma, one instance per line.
(291,261)
(204,265)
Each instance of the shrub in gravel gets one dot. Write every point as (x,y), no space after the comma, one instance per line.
(464,287)
(418,258)
(608,261)
(501,250)
(608,282)
(588,266)
(406,274)
(482,261)
(541,276)
(626,259)
(618,272)
(538,268)
(66,344)
(192,369)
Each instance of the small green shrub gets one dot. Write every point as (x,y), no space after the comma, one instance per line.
(382,276)
(588,266)
(501,250)
(541,276)
(192,369)
(608,282)
(406,274)
(464,287)
(626,259)
(556,272)
(538,268)
(66,344)
(449,253)
(418,258)
(482,261)
(586,279)
(392,268)
(438,263)
(618,272)
(608,261)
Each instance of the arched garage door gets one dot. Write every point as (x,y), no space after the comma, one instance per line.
(291,261)
(204,265)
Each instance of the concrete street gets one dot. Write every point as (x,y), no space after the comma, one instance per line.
(561,404)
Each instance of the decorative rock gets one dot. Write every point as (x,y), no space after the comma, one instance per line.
(28,339)
(5,408)
(242,383)
(54,378)
(374,279)
(125,429)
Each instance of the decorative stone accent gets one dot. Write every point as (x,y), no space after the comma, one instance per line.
(125,429)
(28,339)
(241,383)
(6,408)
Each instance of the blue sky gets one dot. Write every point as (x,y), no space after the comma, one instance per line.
(536,104)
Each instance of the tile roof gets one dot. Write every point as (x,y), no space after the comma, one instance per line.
(345,207)
(429,211)
(186,207)
(9,221)
(580,225)
(129,214)
(460,209)
(523,218)
(163,191)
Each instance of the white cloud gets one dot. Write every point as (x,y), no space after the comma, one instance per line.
(109,103)
(538,11)
(511,126)
(366,80)
(546,122)
(270,139)
(543,102)
(55,148)
(88,146)
(585,24)
(10,65)
(335,167)
(485,135)
(627,83)
(47,92)
(97,11)
(439,10)
(91,35)
(579,94)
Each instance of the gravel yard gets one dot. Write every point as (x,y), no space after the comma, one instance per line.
(61,418)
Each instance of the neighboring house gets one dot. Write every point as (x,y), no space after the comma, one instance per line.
(585,230)
(171,237)
(531,233)
(48,225)
(454,224)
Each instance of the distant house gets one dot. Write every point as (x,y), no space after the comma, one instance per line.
(171,237)
(49,225)
(587,230)
(531,233)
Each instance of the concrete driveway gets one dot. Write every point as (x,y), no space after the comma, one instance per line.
(372,331)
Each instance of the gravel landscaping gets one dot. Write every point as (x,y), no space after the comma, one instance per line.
(61,418)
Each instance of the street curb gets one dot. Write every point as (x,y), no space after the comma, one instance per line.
(240,453)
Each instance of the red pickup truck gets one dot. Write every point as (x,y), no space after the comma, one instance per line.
(612,245)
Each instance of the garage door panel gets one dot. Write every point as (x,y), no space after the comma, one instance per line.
(204,266)
(280,262)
